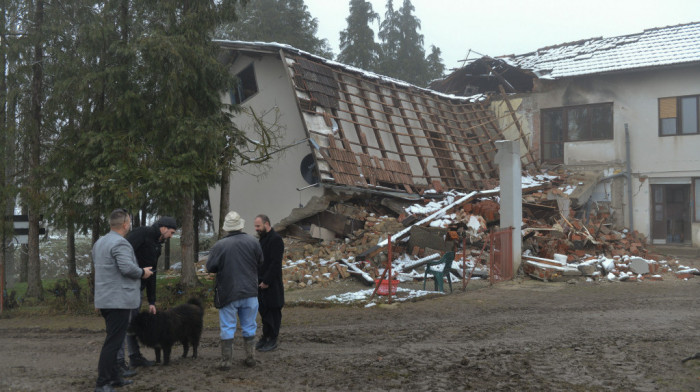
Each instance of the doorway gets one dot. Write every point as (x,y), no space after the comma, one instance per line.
(670,214)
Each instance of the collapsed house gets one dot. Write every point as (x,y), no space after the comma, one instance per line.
(348,131)
(361,150)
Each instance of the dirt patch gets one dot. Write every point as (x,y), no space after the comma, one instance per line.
(516,336)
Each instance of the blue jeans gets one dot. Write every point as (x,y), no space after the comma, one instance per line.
(246,309)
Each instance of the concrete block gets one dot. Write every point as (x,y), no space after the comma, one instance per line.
(561,259)
(639,266)
(429,237)
(587,269)
(322,233)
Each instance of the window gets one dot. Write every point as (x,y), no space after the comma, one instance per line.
(574,124)
(679,116)
(246,85)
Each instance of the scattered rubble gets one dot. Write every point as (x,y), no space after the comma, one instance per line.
(344,236)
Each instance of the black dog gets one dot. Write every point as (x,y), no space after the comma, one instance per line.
(182,323)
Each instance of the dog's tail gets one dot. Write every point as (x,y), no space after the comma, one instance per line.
(196,302)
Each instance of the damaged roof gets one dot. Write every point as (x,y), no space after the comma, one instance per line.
(661,46)
(374,132)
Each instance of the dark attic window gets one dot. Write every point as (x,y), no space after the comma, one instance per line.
(246,87)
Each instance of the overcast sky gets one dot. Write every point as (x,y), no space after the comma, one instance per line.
(499,27)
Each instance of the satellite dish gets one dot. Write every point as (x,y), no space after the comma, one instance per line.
(308,169)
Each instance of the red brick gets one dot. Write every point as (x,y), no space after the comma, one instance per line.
(416,250)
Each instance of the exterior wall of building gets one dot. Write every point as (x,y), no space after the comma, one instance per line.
(269,189)
(668,160)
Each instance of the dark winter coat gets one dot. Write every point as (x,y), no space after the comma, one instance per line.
(235,259)
(147,246)
(271,271)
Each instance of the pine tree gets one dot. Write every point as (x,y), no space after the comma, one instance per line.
(390,37)
(357,45)
(403,56)
(436,68)
(411,54)
(283,21)
(33,145)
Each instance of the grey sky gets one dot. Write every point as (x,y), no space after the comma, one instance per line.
(502,27)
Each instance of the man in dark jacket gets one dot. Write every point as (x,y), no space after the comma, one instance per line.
(147,242)
(235,260)
(271,289)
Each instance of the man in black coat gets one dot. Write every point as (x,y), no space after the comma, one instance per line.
(270,287)
(147,242)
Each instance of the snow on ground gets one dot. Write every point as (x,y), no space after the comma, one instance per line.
(363,295)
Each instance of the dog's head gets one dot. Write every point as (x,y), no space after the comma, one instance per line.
(144,327)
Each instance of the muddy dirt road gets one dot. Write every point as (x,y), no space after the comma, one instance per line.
(517,336)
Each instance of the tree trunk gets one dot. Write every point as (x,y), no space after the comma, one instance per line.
(223,202)
(188,278)
(95,236)
(34,288)
(70,249)
(166,256)
(5,228)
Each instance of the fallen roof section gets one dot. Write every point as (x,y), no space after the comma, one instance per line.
(374,132)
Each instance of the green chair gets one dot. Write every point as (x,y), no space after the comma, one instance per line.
(439,270)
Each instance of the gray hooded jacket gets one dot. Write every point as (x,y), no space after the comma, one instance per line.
(235,259)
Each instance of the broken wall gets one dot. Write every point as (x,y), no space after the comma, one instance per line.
(271,189)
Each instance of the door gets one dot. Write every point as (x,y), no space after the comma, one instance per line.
(670,213)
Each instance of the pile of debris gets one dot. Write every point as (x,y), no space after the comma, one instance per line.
(339,236)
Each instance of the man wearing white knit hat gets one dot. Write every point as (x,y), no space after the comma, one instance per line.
(235,259)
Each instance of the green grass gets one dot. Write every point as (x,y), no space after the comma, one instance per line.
(74,296)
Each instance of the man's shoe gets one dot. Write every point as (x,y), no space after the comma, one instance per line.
(137,361)
(261,342)
(269,346)
(121,382)
(124,370)
(105,388)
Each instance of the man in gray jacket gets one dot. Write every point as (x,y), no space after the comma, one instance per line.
(117,291)
(235,259)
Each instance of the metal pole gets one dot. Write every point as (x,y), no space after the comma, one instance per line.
(464,264)
(629,176)
(391,277)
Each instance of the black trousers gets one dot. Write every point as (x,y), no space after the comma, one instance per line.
(116,323)
(271,321)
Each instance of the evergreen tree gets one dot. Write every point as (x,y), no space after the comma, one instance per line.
(283,21)
(189,126)
(410,54)
(33,188)
(403,56)
(436,68)
(390,37)
(357,45)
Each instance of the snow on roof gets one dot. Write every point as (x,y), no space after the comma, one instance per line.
(275,46)
(655,47)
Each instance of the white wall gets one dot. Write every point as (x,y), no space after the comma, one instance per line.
(270,190)
(635,102)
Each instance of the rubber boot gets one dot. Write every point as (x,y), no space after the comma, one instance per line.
(226,354)
(249,344)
